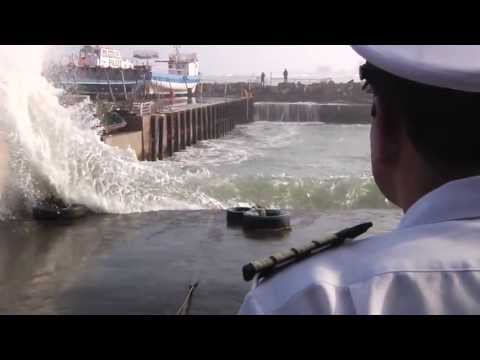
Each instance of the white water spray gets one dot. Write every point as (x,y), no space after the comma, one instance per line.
(52,149)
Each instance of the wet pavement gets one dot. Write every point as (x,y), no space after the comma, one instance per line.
(144,263)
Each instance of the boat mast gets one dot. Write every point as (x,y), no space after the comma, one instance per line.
(177,52)
(177,57)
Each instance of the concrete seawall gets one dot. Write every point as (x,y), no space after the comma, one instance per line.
(330,113)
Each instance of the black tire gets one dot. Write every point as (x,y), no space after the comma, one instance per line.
(274,220)
(235,215)
(49,212)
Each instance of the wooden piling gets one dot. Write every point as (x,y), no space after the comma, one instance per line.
(227,116)
(177,136)
(200,124)
(170,135)
(155,139)
(143,124)
(194,126)
(230,116)
(162,134)
(208,131)
(189,127)
(183,130)
(215,121)
(222,120)
(163,137)
(206,122)
(211,123)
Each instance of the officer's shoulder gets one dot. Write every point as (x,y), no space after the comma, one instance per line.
(338,265)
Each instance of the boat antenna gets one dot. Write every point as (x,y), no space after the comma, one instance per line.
(176,50)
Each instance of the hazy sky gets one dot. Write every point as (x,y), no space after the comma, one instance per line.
(324,60)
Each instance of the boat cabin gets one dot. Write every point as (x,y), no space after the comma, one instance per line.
(103,57)
(183,64)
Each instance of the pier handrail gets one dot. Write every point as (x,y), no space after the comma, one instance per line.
(142,108)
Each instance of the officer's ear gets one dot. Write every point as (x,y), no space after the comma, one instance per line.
(388,126)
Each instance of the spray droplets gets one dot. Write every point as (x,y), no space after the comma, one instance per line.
(54,149)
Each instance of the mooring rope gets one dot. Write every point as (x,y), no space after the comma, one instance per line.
(185,307)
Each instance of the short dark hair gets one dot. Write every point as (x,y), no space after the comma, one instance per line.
(443,124)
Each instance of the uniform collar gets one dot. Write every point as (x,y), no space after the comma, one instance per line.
(455,200)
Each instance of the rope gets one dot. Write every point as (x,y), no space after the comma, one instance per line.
(185,307)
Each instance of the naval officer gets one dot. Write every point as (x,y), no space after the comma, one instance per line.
(425,155)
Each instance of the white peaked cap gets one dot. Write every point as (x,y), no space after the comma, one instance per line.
(454,67)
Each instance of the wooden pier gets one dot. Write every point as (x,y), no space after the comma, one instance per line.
(160,133)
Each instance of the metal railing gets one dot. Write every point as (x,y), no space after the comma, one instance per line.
(142,108)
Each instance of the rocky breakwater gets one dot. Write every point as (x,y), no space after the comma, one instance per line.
(321,92)
(328,102)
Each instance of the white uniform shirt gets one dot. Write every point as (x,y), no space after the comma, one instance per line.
(430,264)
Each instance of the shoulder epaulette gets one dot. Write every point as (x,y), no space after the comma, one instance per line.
(267,266)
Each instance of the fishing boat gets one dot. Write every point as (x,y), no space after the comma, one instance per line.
(179,78)
(99,70)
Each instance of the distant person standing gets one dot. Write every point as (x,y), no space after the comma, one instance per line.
(285,75)
(262,80)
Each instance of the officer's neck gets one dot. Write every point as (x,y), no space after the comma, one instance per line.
(415,178)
